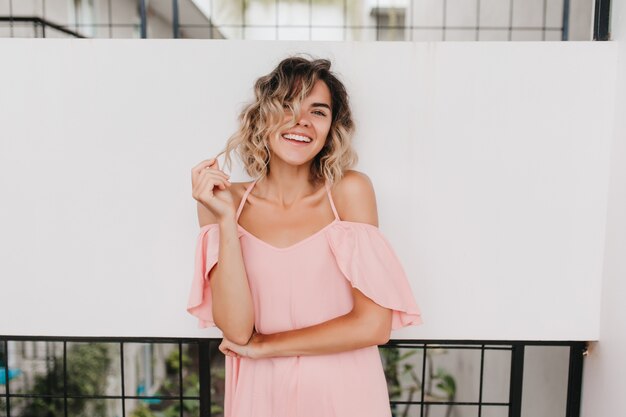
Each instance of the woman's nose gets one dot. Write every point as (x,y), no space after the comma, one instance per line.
(303,121)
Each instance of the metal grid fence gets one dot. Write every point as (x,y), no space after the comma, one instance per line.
(69,383)
(383,23)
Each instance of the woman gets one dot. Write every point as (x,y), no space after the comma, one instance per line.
(296,273)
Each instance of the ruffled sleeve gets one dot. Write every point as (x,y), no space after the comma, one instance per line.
(370,264)
(200,297)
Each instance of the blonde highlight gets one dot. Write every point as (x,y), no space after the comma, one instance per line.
(287,86)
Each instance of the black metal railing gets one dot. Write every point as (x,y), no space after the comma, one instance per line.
(39,25)
(513,405)
(193,383)
(602,14)
(390,23)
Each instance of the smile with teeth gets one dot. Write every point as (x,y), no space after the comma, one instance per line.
(298,138)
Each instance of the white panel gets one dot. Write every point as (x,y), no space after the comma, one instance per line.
(603,383)
(490,162)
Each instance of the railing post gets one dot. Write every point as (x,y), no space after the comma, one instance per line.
(575,379)
(517,379)
(6,377)
(204,372)
(601,17)
(175,23)
(565,31)
(144,20)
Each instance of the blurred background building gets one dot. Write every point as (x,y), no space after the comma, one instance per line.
(322,20)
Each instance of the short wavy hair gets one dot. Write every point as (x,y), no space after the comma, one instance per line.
(288,85)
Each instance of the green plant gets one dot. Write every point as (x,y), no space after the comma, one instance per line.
(397,365)
(87,364)
(169,387)
(172,363)
(142,411)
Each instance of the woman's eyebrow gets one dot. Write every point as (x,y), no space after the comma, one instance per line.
(320,105)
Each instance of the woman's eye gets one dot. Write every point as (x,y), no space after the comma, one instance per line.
(321,113)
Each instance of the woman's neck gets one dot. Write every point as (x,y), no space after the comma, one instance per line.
(285,188)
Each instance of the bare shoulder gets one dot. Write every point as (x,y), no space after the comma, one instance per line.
(205,216)
(355,198)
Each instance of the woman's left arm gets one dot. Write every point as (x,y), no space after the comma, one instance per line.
(367,324)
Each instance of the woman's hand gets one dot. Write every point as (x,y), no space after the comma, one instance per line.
(254,349)
(210,187)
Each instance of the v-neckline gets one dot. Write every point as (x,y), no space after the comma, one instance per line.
(294,245)
(298,243)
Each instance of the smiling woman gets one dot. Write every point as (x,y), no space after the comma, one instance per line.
(310,136)
(302,283)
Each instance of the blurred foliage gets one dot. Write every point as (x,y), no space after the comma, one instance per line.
(172,362)
(170,387)
(398,365)
(141,410)
(87,365)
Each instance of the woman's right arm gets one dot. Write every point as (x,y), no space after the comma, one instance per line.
(232,306)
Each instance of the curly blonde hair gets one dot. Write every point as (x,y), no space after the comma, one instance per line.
(288,85)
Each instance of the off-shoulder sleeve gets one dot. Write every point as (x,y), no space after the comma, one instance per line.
(200,297)
(370,264)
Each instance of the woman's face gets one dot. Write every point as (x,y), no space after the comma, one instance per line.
(313,122)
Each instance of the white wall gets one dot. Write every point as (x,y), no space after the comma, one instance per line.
(490,162)
(605,366)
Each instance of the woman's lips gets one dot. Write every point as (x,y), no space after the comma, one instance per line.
(295,142)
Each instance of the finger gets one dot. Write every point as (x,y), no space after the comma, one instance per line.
(202,165)
(225,346)
(218,180)
(215,163)
(219,177)
(225,350)
(213,174)
(201,186)
(210,182)
(219,172)
(198,170)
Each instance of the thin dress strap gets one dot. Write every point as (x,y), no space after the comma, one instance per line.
(330,198)
(245,196)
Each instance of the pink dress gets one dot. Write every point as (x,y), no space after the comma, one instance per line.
(298,286)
